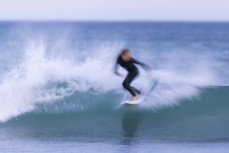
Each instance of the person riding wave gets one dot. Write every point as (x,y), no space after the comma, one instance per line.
(126,61)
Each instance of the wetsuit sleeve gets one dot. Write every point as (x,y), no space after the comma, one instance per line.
(116,69)
(144,66)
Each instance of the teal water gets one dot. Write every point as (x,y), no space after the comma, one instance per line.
(58,92)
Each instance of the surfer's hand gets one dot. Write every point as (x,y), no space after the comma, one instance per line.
(148,68)
(118,74)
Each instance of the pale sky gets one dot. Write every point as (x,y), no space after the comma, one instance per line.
(115,10)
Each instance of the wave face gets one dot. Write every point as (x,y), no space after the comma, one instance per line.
(200,119)
(58,74)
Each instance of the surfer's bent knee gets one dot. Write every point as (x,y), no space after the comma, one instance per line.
(125,84)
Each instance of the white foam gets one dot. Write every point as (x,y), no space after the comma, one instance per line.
(181,77)
(34,80)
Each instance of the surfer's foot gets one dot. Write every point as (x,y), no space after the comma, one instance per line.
(134,98)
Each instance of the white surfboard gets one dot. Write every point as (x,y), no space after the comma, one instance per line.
(141,98)
(132,102)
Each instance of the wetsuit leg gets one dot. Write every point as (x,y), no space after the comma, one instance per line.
(136,90)
(129,78)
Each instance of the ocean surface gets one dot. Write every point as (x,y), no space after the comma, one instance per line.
(58,92)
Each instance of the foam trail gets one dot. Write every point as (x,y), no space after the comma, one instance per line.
(181,77)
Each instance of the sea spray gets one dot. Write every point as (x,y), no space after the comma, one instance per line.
(51,69)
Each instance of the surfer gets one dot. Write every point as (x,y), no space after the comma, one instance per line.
(126,61)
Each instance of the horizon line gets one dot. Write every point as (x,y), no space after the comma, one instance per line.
(75,20)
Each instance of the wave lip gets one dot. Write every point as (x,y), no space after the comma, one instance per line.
(45,78)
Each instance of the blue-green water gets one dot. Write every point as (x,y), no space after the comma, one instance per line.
(58,92)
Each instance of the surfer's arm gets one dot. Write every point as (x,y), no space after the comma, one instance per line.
(116,70)
(144,66)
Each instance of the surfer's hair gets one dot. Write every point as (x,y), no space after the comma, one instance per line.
(124,51)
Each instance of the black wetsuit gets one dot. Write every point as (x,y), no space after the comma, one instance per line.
(132,72)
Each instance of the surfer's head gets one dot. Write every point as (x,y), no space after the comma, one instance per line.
(126,54)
